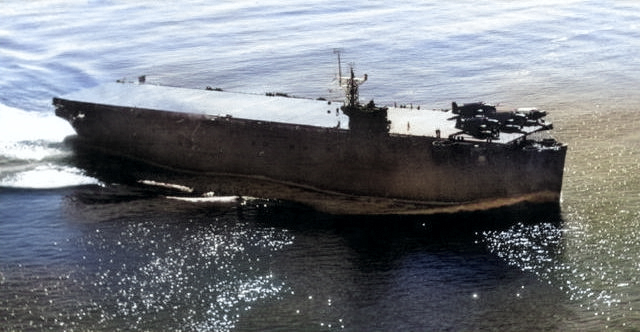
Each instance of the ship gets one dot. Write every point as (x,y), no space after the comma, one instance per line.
(336,156)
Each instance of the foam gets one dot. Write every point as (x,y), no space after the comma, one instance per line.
(17,125)
(30,145)
(48,177)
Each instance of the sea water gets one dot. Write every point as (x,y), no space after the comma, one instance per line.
(85,247)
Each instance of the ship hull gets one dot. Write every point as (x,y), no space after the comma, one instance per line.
(330,169)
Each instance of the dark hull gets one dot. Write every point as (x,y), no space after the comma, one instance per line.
(330,169)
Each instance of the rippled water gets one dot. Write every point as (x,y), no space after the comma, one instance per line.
(83,246)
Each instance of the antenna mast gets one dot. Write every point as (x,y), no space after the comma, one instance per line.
(337,51)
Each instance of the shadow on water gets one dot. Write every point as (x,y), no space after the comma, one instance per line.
(435,272)
(461,224)
(373,237)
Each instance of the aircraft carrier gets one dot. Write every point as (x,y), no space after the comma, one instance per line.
(339,157)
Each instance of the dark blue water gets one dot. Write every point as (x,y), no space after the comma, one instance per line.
(83,246)
(103,258)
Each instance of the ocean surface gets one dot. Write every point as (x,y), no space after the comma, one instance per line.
(83,247)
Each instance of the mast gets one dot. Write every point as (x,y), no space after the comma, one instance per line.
(352,95)
(337,51)
(349,84)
